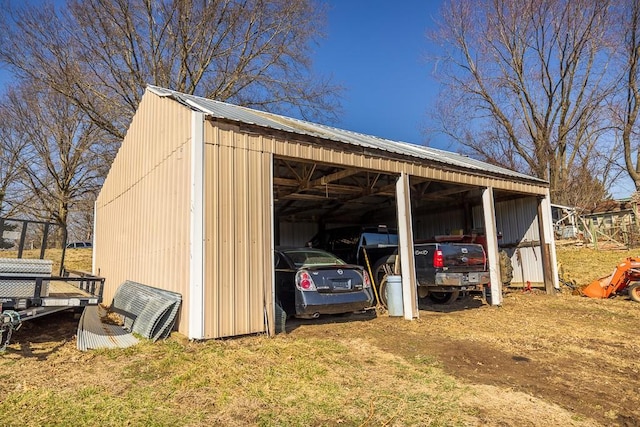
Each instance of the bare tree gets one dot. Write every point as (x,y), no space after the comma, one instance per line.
(525,85)
(101,54)
(627,105)
(63,151)
(11,161)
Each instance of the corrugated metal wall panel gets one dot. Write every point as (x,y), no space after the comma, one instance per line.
(261,302)
(426,226)
(226,267)
(527,266)
(212,229)
(297,234)
(238,218)
(142,212)
(241,277)
(517,220)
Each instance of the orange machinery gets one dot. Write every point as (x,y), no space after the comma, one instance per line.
(625,277)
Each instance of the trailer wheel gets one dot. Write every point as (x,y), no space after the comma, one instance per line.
(634,291)
(444,297)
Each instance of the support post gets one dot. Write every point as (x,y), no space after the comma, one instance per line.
(405,247)
(488,208)
(547,245)
(196,232)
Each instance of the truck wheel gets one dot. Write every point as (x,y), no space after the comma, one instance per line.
(444,297)
(382,292)
(423,292)
(634,291)
(382,268)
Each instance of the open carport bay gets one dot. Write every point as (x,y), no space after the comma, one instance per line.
(315,194)
(308,196)
(311,196)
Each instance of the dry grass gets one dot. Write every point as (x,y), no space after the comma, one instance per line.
(538,360)
(585,265)
(78,259)
(249,381)
(75,259)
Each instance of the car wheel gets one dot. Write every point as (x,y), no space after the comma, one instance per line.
(444,297)
(634,291)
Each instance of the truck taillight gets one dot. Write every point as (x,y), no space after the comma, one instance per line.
(304,282)
(438,259)
(366,281)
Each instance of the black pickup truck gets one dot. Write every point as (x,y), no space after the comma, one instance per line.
(443,269)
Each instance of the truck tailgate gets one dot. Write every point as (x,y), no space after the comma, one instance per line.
(463,257)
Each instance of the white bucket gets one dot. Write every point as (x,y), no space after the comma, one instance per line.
(394,295)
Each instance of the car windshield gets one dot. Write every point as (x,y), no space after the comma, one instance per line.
(308,258)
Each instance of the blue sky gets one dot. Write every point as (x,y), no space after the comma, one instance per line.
(377,50)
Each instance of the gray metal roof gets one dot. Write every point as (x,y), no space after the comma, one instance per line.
(227,111)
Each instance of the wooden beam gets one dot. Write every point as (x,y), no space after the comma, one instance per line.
(304,196)
(285,182)
(333,177)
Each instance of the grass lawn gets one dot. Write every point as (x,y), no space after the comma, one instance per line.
(538,360)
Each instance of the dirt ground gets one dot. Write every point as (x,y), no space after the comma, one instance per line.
(563,355)
(566,350)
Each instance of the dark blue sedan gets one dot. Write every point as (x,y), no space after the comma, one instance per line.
(311,282)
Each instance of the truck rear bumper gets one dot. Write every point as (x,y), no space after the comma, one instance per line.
(468,280)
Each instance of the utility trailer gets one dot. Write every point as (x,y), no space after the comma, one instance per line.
(28,287)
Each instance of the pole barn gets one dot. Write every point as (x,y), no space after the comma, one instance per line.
(201,192)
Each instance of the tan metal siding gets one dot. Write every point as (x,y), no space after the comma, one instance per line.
(142,212)
(238,235)
(517,220)
(369,160)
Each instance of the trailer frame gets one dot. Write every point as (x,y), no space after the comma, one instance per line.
(69,289)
